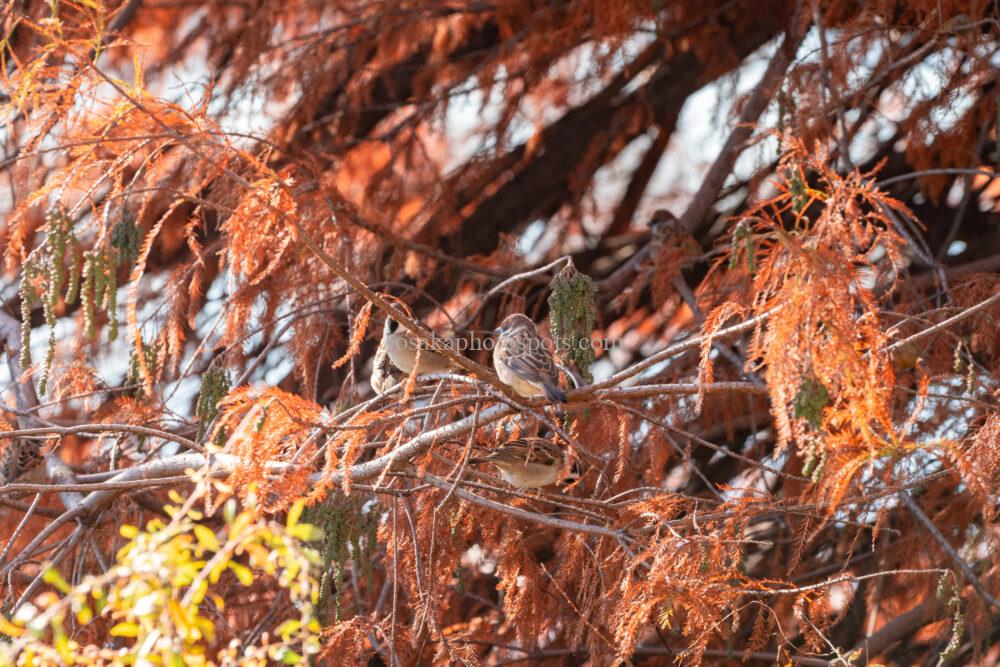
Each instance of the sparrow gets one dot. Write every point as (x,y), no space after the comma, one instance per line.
(875,271)
(662,225)
(523,363)
(383,376)
(530,463)
(18,458)
(401,347)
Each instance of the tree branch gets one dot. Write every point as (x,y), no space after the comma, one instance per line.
(956,558)
(900,628)
(26,400)
(696,217)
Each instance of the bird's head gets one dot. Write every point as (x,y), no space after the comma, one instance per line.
(514,322)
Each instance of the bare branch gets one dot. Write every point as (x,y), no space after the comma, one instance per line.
(942,541)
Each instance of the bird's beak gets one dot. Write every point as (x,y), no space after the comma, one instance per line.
(497,330)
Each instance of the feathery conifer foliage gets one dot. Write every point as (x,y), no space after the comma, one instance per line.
(788,431)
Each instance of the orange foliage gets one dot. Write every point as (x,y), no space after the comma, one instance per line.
(242,183)
(260,426)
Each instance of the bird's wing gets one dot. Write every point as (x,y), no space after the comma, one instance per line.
(381,364)
(540,450)
(19,457)
(531,360)
(383,376)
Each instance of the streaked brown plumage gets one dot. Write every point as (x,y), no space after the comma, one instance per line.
(529,463)
(18,457)
(523,362)
(401,347)
(384,376)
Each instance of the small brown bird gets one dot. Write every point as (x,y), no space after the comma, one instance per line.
(662,225)
(522,361)
(19,457)
(384,376)
(401,346)
(530,463)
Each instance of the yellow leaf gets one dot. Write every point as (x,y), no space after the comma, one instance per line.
(289,657)
(128,532)
(306,532)
(199,593)
(240,523)
(126,629)
(229,511)
(62,645)
(294,513)
(257,553)
(206,627)
(216,572)
(242,573)
(9,629)
(206,537)
(54,579)
(179,615)
(288,628)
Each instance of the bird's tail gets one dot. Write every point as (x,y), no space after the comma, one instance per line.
(554,393)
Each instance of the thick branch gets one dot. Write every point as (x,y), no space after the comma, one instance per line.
(696,217)
(550,180)
(898,629)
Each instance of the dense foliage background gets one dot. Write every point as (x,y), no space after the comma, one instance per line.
(789,435)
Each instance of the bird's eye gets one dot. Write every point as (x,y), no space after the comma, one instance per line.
(391,325)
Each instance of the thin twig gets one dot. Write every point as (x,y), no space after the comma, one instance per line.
(939,537)
(565,259)
(20,527)
(972,310)
(89,429)
(523,514)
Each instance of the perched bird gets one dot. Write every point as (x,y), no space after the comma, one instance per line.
(384,376)
(18,458)
(662,225)
(530,463)
(401,346)
(876,270)
(522,361)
